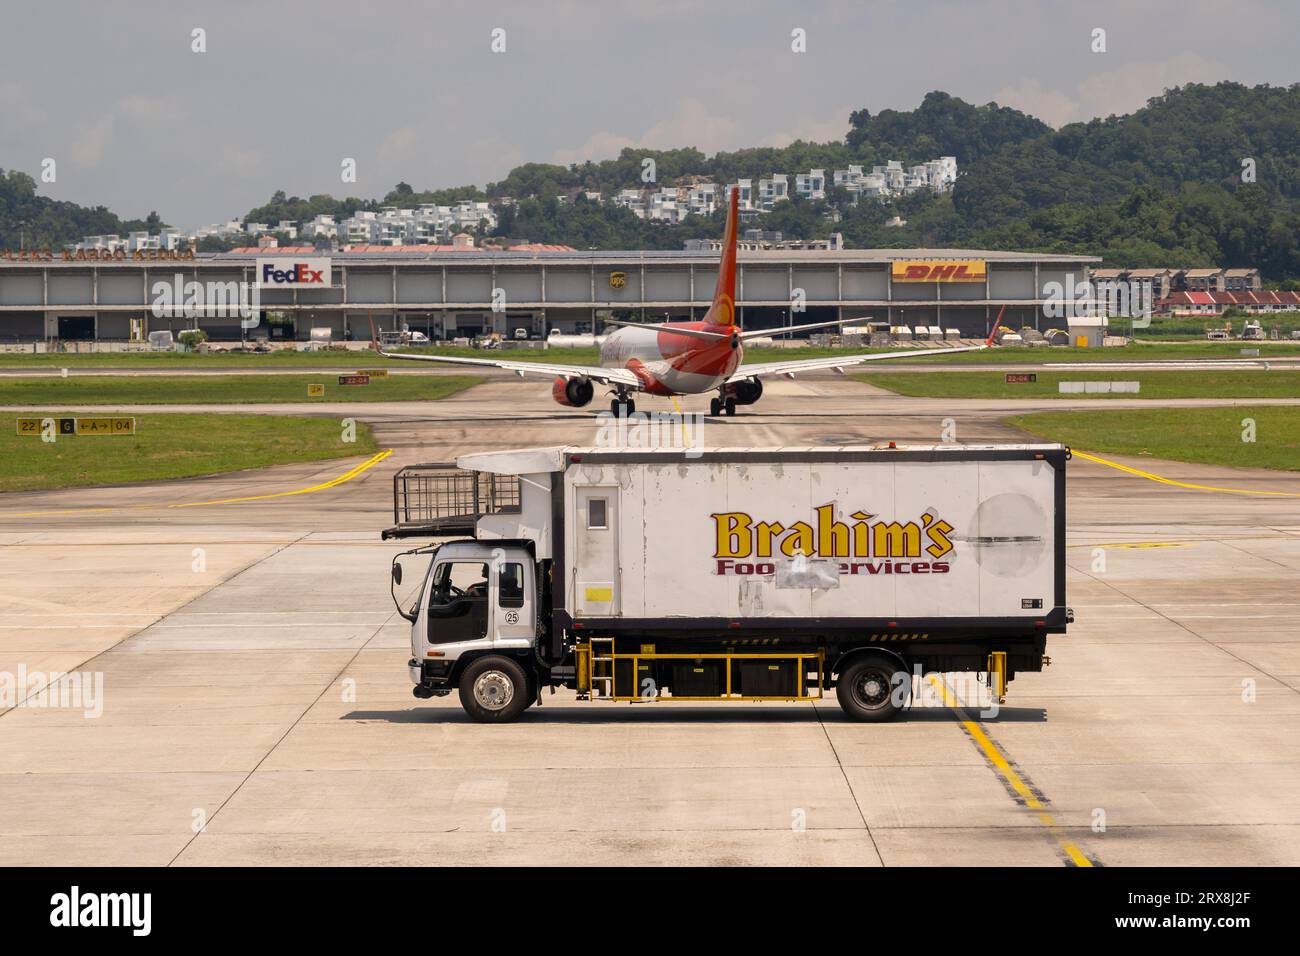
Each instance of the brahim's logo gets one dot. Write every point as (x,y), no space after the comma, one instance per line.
(738,535)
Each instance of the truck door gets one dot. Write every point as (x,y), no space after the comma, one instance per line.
(458,602)
(513,601)
(596,571)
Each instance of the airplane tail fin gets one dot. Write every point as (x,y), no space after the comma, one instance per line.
(997,324)
(374,335)
(723,310)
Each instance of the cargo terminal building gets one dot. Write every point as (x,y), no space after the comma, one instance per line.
(55,296)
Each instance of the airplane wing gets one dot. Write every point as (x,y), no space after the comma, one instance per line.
(794,366)
(605,376)
(782,330)
(676,330)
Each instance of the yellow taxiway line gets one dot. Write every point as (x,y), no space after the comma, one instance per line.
(1180,484)
(332,483)
(1031,800)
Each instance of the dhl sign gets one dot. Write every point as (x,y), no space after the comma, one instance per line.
(939,270)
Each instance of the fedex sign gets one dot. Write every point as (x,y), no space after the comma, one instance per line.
(293,272)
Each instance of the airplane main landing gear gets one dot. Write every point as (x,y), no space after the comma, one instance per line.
(720,405)
(622,406)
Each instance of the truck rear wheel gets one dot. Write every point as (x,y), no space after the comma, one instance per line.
(494,690)
(873,688)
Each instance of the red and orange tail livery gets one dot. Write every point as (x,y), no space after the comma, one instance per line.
(723,309)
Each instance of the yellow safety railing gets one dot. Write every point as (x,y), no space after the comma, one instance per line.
(588,675)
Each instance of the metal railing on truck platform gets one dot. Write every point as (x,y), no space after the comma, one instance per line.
(441,499)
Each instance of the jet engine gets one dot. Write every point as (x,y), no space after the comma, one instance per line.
(573,392)
(746,392)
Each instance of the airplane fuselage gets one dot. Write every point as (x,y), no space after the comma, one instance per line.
(673,364)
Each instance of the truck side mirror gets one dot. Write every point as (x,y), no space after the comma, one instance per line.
(397,574)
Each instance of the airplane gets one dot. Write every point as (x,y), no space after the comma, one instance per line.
(680,358)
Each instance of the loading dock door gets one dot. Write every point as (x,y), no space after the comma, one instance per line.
(77,328)
(595,566)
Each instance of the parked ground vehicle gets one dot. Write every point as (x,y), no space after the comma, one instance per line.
(402,337)
(662,575)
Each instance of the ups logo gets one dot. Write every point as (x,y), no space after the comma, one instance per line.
(617,280)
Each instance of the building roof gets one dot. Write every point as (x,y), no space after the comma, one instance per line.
(478,256)
(1147,273)
(1261,297)
(378,254)
(394,250)
(1202,273)
(1240,272)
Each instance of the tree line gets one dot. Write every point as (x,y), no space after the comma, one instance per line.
(1202,175)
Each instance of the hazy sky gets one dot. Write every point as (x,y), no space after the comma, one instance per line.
(413,91)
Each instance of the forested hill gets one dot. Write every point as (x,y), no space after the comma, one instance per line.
(1161,186)
(1203,175)
(40,221)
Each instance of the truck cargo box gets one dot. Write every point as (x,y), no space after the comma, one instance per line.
(895,539)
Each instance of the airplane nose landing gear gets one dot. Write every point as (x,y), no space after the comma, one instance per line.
(723,404)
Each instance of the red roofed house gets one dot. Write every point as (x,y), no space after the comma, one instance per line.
(1214,303)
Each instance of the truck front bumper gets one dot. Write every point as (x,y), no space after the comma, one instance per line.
(428,684)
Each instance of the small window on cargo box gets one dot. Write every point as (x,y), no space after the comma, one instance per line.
(596,513)
(511,585)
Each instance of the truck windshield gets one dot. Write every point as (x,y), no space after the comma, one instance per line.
(456,580)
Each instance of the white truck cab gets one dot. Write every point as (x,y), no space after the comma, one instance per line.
(478,598)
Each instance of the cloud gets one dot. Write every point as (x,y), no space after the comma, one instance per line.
(153,111)
(690,125)
(16,104)
(579,82)
(1128,88)
(1118,91)
(399,143)
(91,144)
(1030,96)
(831,128)
(602,145)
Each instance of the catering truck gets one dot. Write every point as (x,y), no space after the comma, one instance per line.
(730,574)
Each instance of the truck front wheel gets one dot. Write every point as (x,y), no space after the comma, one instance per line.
(494,690)
(873,688)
